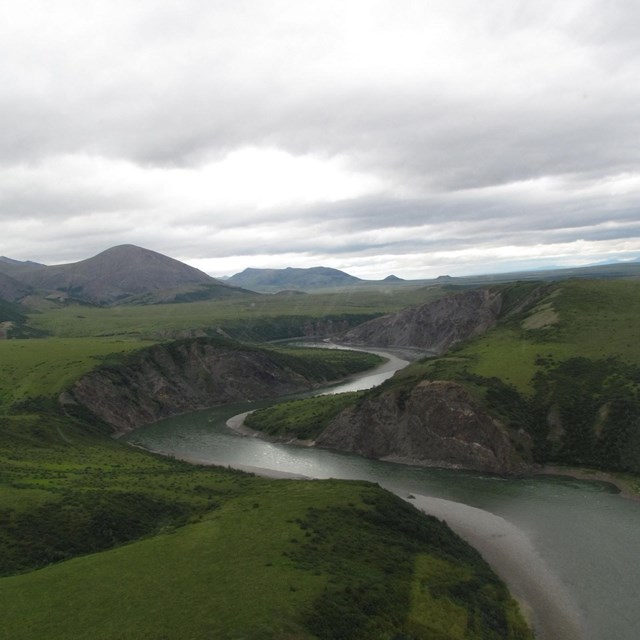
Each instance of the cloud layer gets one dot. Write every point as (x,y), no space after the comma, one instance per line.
(408,137)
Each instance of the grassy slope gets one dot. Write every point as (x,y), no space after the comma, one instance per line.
(302,419)
(44,366)
(236,557)
(566,368)
(595,319)
(133,545)
(240,313)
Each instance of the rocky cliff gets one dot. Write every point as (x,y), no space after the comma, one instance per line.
(434,423)
(434,326)
(167,380)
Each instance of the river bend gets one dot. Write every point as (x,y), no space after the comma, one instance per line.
(567,548)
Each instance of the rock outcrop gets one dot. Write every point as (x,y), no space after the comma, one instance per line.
(167,380)
(434,326)
(433,424)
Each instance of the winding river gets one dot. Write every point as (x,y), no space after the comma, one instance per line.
(568,549)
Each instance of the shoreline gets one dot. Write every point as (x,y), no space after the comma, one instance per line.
(544,601)
(625,487)
(236,423)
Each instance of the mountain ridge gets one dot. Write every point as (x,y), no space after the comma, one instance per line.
(124,273)
(292,278)
(129,274)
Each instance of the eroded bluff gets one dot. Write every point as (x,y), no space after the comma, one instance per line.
(434,326)
(433,424)
(167,380)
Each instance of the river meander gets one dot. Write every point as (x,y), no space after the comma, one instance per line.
(576,542)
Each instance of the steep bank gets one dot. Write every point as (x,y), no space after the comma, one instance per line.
(434,326)
(434,423)
(166,380)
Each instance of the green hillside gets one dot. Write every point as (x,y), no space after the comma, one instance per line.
(565,368)
(259,317)
(44,366)
(104,541)
(562,365)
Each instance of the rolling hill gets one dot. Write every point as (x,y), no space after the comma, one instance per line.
(273,280)
(555,366)
(124,273)
(113,542)
(11,266)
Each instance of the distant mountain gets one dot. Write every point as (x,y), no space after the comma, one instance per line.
(20,263)
(11,289)
(12,314)
(273,280)
(14,268)
(125,273)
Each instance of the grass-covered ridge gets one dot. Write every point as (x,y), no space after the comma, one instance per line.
(563,364)
(303,419)
(140,546)
(100,540)
(45,366)
(566,368)
(255,318)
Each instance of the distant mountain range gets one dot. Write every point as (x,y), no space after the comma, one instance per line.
(12,289)
(128,274)
(290,279)
(122,274)
(273,280)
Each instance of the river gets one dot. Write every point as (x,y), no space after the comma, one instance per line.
(566,548)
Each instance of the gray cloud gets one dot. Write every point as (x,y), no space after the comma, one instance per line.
(476,126)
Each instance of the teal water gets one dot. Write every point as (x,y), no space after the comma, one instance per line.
(586,534)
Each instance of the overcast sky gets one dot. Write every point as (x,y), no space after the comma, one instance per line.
(414,137)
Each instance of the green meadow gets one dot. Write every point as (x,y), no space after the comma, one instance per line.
(594,319)
(37,367)
(255,316)
(570,357)
(302,419)
(105,541)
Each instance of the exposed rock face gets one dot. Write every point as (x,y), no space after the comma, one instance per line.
(166,381)
(434,326)
(435,424)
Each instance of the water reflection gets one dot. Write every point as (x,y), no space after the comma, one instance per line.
(587,533)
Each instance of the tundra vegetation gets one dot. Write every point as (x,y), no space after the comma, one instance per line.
(566,370)
(100,540)
(560,370)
